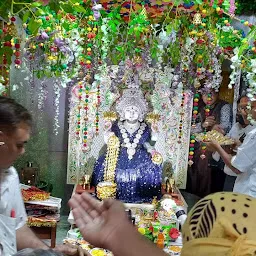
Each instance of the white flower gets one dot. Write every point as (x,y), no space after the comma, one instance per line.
(97,7)
(253,65)
(249,76)
(226,28)
(235,62)
(2,88)
(236,51)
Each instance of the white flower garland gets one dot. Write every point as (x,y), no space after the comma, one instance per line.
(235,66)
(131,145)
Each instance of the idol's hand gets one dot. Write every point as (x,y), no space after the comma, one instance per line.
(100,223)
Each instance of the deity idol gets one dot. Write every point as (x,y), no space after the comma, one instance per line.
(136,166)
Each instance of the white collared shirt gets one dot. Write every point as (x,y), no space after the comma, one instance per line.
(11,196)
(245,162)
(235,133)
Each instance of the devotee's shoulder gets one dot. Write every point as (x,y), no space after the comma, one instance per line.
(12,173)
(252,135)
(11,176)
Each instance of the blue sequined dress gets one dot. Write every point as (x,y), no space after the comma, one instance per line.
(139,179)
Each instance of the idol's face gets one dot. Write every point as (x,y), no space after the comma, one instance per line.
(131,114)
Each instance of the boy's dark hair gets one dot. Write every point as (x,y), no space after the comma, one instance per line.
(12,114)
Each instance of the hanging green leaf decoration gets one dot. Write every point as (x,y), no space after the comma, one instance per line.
(33,26)
(36,4)
(26,15)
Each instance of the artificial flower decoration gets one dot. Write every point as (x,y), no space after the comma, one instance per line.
(72,41)
(174,233)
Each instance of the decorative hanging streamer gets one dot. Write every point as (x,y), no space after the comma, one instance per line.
(195,109)
(192,137)
(207,113)
(57,91)
(181,113)
(232,7)
(97,110)
(236,95)
(86,113)
(78,121)
(191,150)
(5,66)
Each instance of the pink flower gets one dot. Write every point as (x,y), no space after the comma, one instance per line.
(44,2)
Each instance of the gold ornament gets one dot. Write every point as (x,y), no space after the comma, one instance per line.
(197,19)
(144,13)
(110,116)
(12,30)
(157,158)
(152,118)
(137,60)
(107,189)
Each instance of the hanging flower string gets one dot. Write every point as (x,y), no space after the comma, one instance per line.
(207,113)
(17,54)
(191,150)
(97,110)
(192,137)
(78,121)
(181,114)
(195,109)
(91,34)
(86,113)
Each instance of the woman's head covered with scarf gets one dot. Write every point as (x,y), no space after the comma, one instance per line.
(221,224)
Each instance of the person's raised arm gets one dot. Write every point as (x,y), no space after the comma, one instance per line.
(227,158)
(106,225)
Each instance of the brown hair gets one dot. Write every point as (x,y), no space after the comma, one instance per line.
(12,114)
